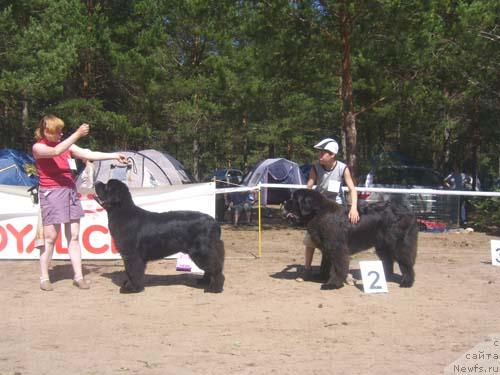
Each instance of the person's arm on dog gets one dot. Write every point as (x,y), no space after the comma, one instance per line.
(353,212)
(312,178)
(84,153)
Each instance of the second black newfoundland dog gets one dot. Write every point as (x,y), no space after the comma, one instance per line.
(141,236)
(388,226)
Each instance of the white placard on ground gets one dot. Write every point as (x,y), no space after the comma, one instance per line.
(495,252)
(372,273)
(185,263)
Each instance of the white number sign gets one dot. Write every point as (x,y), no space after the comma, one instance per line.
(372,273)
(495,252)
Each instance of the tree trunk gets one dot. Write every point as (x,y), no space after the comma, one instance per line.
(289,150)
(445,161)
(87,63)
(348,114)
(25,119)
(244,123)
(196,159)
(476,143)
(272,152)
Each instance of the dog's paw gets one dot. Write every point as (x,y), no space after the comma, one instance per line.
(128,288)
(329,286)
(216,284)
(124,290)
(406,283)
(213,290)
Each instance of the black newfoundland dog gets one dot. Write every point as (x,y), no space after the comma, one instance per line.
(388,226)
(141,236)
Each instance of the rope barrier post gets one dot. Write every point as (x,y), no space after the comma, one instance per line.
(259,254)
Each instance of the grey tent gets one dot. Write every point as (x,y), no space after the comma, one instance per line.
(146,168)
(275,171)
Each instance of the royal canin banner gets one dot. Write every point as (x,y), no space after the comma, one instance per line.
(19,218)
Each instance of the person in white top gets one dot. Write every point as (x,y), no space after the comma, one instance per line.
(88,174)
(328,174)
(457,180)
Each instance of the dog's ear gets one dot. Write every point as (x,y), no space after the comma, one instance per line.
(117,193)
(113,200)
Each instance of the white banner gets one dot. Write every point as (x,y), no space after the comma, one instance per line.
(19,219)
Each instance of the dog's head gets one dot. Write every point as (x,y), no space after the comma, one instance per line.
(112,195)
(303,206)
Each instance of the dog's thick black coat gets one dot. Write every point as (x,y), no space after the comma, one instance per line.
(388,226)
(142,236)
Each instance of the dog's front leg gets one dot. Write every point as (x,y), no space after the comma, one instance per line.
(134,268)
(338,270)
(324,269)
(385,255)
(205,280)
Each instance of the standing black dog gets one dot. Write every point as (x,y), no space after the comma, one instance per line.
(388,226)
(141,236)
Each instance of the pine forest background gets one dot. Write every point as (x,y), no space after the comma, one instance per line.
(220,83)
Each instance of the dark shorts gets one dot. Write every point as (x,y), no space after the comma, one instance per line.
(60,205)
(308,242)
(239,208)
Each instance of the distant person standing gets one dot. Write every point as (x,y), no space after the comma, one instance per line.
(457,180)
(59,202)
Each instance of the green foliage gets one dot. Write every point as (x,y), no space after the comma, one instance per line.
(109,131)
(39,55)
(485,214)
(219,83)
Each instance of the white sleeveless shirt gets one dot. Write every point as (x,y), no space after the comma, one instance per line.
(329,183)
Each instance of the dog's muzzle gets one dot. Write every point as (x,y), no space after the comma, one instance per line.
(288,215)
(99,200)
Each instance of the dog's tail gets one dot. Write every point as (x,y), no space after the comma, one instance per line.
(412,238)
(215,235)
(216,231)
(408,220)
(218,245)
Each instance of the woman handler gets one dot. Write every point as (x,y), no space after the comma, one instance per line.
(59,202)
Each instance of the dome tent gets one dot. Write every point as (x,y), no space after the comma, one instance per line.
(17,168)
(275,171)
(146,168)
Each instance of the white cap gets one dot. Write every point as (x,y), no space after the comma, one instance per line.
(328,144)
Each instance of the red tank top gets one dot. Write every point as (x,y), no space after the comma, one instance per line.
(54,172)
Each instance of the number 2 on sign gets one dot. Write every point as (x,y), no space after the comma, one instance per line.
(495,252)
(376,278)
(372,273)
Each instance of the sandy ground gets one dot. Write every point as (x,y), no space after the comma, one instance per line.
(263,323)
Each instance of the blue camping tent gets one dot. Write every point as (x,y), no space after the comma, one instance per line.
(275,171)
(17,168)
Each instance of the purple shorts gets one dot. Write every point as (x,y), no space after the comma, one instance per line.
(60,205)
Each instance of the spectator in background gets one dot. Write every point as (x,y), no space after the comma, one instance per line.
(88,174)
(241,202)
(457,180)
